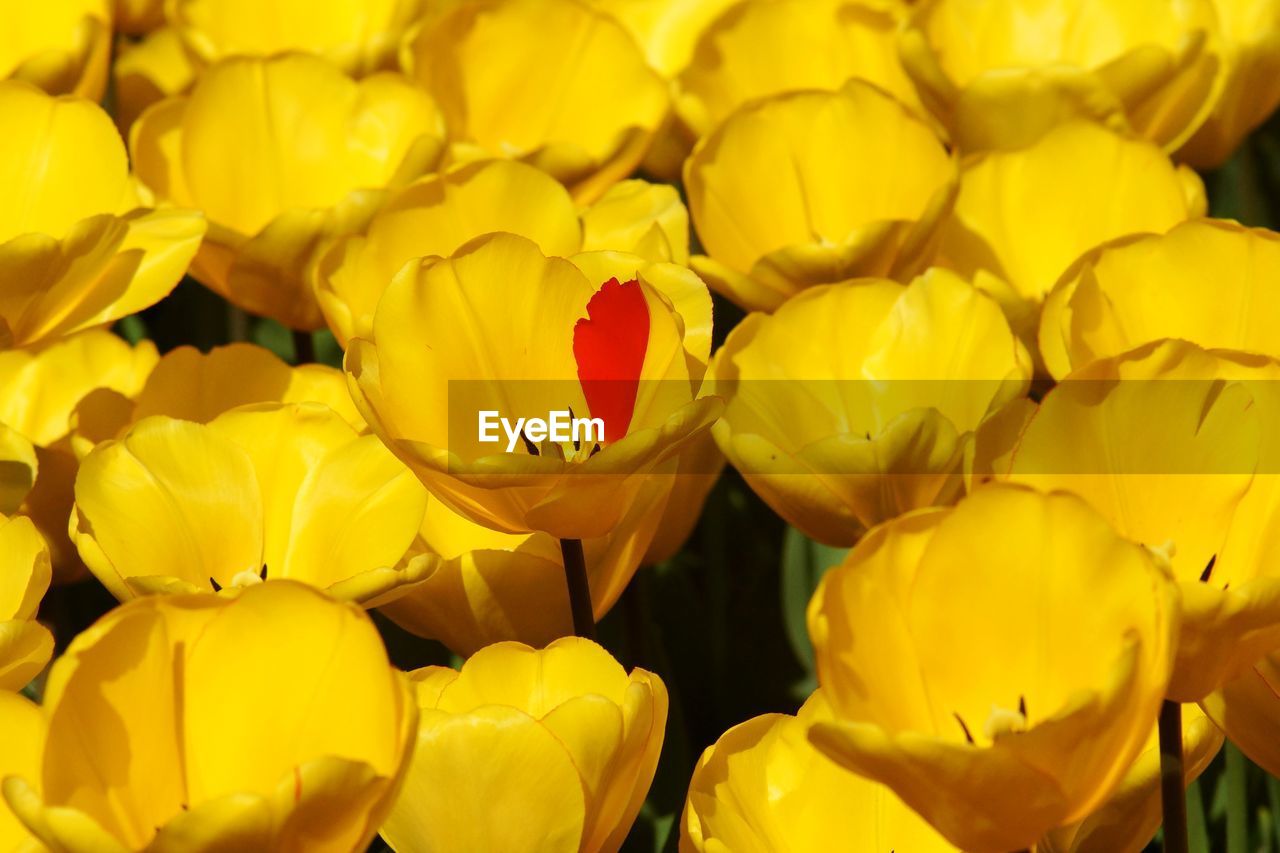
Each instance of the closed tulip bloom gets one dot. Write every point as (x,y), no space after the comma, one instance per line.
(149,70)
(1148,287)
(272,197)
(78,248)
(1023,217)
(767,47)
(271,721)
(24,726)
(558,84)
(1014,720)
(852,403)
(64,48)
(273,490)
(1250,91)
(1164,442)
(568,743)
(1128,820)
(440,213)
(42,390)
(866,187)
(763,788)
(1247,709)
(25,644)
(541,338)
(999,74)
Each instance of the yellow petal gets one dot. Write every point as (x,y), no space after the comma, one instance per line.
(24,747)
(62,49)
(150,70)
(668,32)
(639,217)
(18,468)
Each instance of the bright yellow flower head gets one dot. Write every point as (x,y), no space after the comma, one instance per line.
(853,403)
(667,30)
(1248,710)
(1128,820)
(282,154)
(24,726)
(485,587)
(570,743)
(556,83)
(150,70)
(18,467)
(1250,90)
(537,337)
(437,215)
(77,249)
(999,73)
(1023,217)
(767,47)
(956,680)
(1164,442)
(271,490)
(44,397)
(814,188)
(63,47)
(25,644)
(1210,282)
(763,788)
(271,721)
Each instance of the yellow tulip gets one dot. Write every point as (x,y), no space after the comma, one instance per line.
(540,337)
(24,728)
(41,392)
(25,644)
(999,73)
(763,788)
(148,71)
(484,587)
(439,214)
(1128,820)
(767,47)
(1015,718)
(667,30)
(272,198)
(697,471)
(137,17)
(271,721)
(1164,442)
(865,188)
(1023,217)
(1150,287)
(77,248)
(18,467)
(271,490)
(1248,710)
(1250,48)
(64,47)
(570,742)
(556,83)
(853,403)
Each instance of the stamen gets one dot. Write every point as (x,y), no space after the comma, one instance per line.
(960,720)
(1208,570)
(528,444)
(217,587)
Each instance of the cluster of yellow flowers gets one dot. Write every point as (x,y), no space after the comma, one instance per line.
(993,344)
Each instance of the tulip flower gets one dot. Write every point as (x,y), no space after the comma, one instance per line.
(41,390)
(25,644)
(272,198)
(1128,821)
(18,467)
(1145,288)
(438,214)
(1247,709)
(24,728)
(1023,217)
(763,788)
(1164,442)
(540,338)
(570,743)
(697,471)
(1014,719)
(271,721)
(999,74)
(78,249)
(667,32)
(272,490)
(64,47)
(148,71)
(765,47)
(853,402)
(556,83)
(865,189)
(1250,54)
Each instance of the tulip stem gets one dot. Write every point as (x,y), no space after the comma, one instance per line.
(1173,797)
(575,575)
(304,348)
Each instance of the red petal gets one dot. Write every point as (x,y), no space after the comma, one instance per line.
(609,345)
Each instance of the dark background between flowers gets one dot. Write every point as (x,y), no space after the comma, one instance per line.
(723,621)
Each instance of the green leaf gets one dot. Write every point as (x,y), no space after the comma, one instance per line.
(1237,801)
(1197,828)
(804,562)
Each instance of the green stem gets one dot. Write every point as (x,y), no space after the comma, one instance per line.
(1173,797)
(575,575)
